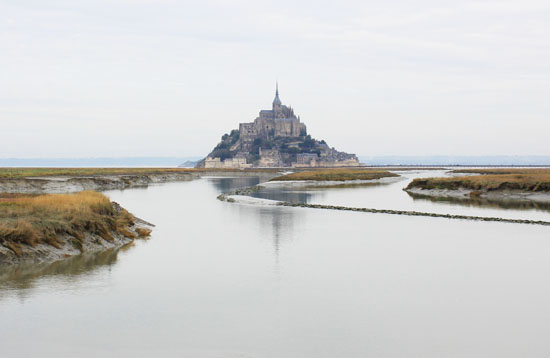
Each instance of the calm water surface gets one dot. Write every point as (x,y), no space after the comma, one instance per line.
(392,196)
(230,280)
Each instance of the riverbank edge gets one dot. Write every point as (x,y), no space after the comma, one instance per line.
(91,243)
(73,184)
(496,195)
(335,175)
(42,253)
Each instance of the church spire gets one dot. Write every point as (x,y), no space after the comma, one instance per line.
(277,100)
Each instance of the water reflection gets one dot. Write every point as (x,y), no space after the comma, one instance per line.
(345,284)
(285,194)
(276,224)
(279,225)
(23,277)
(224,185)
(484,202)
(279,222)
(308,193)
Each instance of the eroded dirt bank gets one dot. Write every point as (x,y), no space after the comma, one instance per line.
(62,184)
(494,195)
(67,245)
(73,184)
(17,244)
(504,184)
(49,227)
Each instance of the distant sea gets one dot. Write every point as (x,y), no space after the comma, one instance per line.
(97,162)
(456,160)
(368,160)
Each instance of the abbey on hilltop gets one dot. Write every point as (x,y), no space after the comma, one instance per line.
(276,138)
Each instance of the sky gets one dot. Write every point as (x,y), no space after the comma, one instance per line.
(96,78)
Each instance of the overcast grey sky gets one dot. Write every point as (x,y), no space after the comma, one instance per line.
(167,78)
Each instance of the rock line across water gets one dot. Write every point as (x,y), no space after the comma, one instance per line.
(236,196)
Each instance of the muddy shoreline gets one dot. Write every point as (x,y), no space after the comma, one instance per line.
(61,184)
(73,184)
(493,195)
(91,243)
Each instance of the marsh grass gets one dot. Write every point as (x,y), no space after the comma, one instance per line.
(344,185)
(16,173)
(143,232)
(31,220)
(530,180)
(337,174)
(501,171)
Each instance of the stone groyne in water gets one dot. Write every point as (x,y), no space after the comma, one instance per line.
(229,197)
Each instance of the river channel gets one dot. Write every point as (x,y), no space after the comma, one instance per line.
(219,279)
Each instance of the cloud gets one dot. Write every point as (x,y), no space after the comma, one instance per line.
(200,68)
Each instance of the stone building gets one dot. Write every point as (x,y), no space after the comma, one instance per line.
(279,121)
(306,160)
(276,138)
(238,162)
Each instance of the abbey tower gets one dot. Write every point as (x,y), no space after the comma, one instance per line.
(276,138)
(279,121)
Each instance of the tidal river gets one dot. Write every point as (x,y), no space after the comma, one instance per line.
(221,279)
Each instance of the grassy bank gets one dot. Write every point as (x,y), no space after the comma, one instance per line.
(528,180)
(501,171)
(339,174)
(16,173)
(31,220)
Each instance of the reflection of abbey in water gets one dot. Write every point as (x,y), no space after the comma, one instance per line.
(288,194)
(225,185)
(276,138)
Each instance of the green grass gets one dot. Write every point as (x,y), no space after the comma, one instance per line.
(35,219)
(339,174)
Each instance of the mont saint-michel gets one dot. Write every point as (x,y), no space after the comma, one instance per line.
(276,138)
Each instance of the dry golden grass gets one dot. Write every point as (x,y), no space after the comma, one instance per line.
(15,173)
(530,171)
(30,220)
(337,174)
(36,172)
(532,180)
(143,232)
